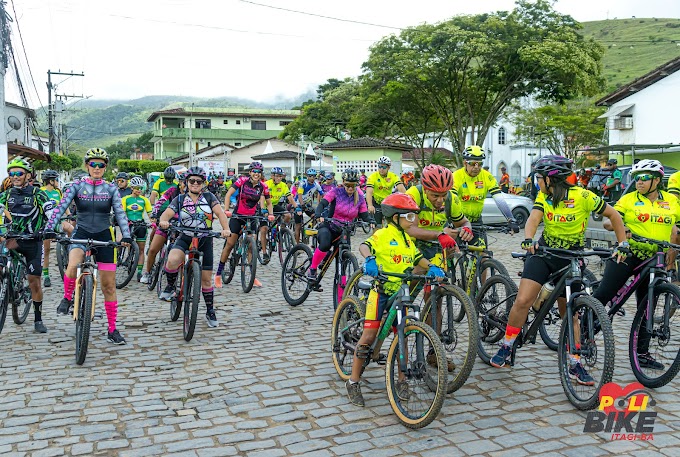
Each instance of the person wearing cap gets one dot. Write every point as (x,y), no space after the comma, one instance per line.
(612,186)
(505,181)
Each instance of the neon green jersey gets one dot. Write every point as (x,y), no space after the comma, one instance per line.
(472,191)
(394,251)
(277,191)
(674,182)
(382,187)
(430,218)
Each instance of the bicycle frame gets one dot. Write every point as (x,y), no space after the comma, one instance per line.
(335,253)
(86,267)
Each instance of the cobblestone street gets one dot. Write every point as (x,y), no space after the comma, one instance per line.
(263,384)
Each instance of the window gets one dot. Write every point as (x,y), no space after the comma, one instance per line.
(258,125)
(238,121)
(208,143)
(501,135)
(202,123)
(226,121)
(237,144)
(283,123)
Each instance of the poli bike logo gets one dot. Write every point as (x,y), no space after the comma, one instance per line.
(623,412)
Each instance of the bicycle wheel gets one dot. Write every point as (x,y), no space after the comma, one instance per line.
(597,352)
(21,305)
(493,304)
(84,317)
(192,295)
(248,264)
(419,404)
(285,243)
(268,248)
(156,270)
(348,265)
(4,298)
(348,325)
(230,267)
(62,258)
(177,299)
(352,287)
(162,282)
(126,266)
(663,346)
(294,274)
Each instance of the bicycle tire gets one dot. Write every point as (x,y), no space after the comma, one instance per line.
(493,304)
(230,267)
(348,317)
(294,271)
(351,288)
(192,295)
(21,305)
(127,264)
(401,407)
(594,310)
(348,265)
(248,266)
(662,334)
(155,272)
(162,275)
(4,298)
(62,258)
(177,300)
(285,243)
(84,318)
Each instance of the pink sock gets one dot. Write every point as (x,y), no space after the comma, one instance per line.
(111,312)
(317,258)
(69,287)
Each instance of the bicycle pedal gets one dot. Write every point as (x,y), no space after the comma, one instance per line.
(382,359)
(97,315)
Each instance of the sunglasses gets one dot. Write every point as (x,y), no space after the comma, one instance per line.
(349,186)
(475,164)
(122,180)
(410,217)
(136,188)
(644,178)
(195,181)
(12,174)
(97,164)
(256,171)
(383,167)
(277,176)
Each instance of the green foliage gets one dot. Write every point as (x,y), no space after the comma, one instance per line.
(141,166)
(59,163)
(125,148)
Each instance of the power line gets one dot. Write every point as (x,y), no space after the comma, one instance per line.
(21,38)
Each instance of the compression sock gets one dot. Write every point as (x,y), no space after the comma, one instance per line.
(37,309)
(511,335)
(172,277)
(139,268)
(317,258)
(111,308)
(46,272)
(208,296)
(220,268)
(69,287)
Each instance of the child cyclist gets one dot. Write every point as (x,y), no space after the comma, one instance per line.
(392,250)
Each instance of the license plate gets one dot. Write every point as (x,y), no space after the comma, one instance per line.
(599,244)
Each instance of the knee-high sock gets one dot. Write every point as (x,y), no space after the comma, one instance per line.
(111,313)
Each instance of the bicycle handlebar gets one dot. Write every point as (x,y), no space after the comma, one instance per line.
(89,242)
(660,244)
(565,253)
(383,276)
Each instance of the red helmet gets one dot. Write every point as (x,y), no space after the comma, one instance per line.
(398,204)
(436,178)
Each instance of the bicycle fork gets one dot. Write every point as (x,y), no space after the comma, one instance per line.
(76,296)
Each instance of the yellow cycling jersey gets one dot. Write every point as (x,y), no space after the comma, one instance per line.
(394,252)
(674,182)
(653,220)
(382,187)
(472,191)
(430,218)
(565,223)
(277,191)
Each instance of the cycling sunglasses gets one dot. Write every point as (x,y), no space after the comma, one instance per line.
(97,164)
(644,178)
(383,167)
(195,181)
(350,186)
(474,164)
(256,171)
(410,217)
(13,174)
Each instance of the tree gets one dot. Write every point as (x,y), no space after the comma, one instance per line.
(469,69)
(565,128)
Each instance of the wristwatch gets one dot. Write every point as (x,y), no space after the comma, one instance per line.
(624,244)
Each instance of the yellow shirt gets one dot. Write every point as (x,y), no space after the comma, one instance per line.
(565,223)
(277,191)
(674,182)
(472,191)
(651,220)
(382,187)
(394,252)
(431,219)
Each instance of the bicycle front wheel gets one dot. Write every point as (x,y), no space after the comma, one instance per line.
(230,267)
(127,264)
(248,264)
(411,396)
(655,357)
(4,298)
(493,304)
(348,325)
(62,258)
(178,297)
(285,243)
(348,265)
(84,317)
(294,282)
(21,305)
(162,282)
(597,352)
(192,295)
(155,272)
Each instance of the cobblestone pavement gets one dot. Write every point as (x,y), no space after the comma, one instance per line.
(263,384)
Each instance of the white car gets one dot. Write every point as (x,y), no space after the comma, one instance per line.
(520,207)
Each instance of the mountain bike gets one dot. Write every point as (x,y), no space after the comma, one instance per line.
(295,283)
(61,250)
(14,286)
(128,256)
(158,278)
(85,295)
(592,339)
(406,358)
(279,238)
(244,254)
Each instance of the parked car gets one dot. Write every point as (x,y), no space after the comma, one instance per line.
(520,207)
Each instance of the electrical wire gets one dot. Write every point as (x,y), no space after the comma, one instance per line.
(21,38)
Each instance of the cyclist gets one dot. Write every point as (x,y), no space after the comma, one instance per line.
(196,209)
(135,205)
(252,191)
(344,203)
(158,235)
(29,208)
(471,183)
(650,213)
(280,193)
(160,186)
(393,250)
(50,179)
(379,185)
(307,192)
(564,209)
(122,179)
(329,182)
(94,198)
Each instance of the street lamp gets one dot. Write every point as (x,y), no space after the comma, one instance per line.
(540,141)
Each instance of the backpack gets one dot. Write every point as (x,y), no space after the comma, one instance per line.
(447,201)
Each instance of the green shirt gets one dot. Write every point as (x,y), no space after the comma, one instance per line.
(134,207)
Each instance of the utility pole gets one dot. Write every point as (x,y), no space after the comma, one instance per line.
(50,114)
(5,48)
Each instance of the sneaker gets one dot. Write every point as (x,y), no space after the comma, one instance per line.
(311,274)
(167,294)
(212,318)
(40,327)
(116,338)
(354,393)
(218,281)
(47,282)
(647,361)
(265,258)
(580,375)
(146,278)
(139,276)
(403,390)
(502,357)
(432,361)
(64,306)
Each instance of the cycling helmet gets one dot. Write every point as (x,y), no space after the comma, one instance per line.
(97,153)
(648,166)
(384,160)
(123,175)
(398,204)
(255,166)
(169,173)
(49,174)
(6,184)
(554,166)
(473,152)
(310,172)
(20,163)
(349,175)
(362,171)
(182,176)
(612,162)
(196,171)
(137,182)
(277,171)
(437,178)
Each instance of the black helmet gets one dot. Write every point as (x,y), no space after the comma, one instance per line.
(49,174)
(170,173)
(195,171)
(123,175)
(612,162)
(362,171)
(554,166)
(350,175)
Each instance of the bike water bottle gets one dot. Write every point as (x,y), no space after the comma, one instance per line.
(543,295)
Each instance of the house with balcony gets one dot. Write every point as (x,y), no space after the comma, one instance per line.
(178,130)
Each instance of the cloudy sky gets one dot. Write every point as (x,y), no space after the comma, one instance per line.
(250,49)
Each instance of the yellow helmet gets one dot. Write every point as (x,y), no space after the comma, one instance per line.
(97,153)
(474,152)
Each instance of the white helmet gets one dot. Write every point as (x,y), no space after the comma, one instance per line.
(136,182)
(647,165)
(384,160)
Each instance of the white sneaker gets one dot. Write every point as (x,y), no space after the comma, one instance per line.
(146,278)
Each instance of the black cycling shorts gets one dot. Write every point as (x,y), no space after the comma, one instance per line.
(204,245)
(378,216)
(307,209)
(101,254)
(34,255)
(139,232)
(236,224)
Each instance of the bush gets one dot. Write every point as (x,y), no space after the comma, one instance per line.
(141,166)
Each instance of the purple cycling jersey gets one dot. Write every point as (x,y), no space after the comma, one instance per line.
(249,195)
(345,209)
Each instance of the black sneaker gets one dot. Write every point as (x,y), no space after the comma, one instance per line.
(502,358)
(40,327)
(354,393)
(64,307)
(647,361)
(47,282)
(580,375)
(265,258)
(116,338)
(212,318)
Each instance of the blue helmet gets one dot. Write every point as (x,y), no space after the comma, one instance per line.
(277,171)
(311,172)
